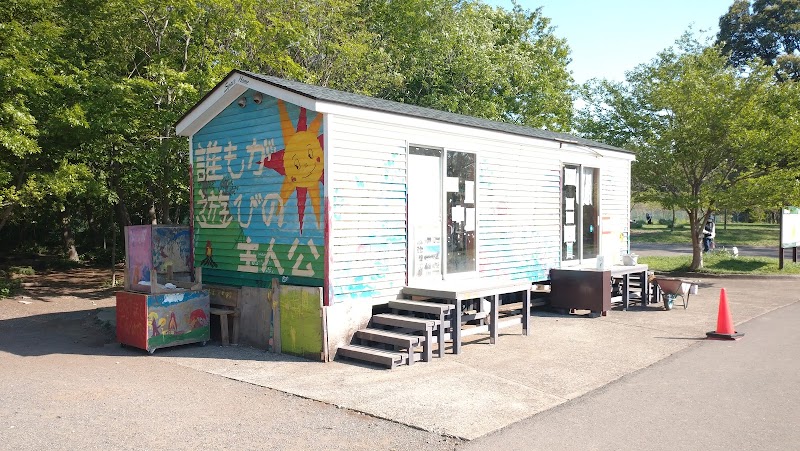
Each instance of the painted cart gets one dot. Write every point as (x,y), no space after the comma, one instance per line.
(153,321)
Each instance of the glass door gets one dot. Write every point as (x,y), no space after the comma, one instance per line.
(424,212)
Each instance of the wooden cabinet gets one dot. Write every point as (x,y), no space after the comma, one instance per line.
(584,289)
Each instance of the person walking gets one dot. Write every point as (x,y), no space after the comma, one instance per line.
(709,232)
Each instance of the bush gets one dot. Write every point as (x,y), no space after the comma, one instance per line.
(22,270)
(7,285)
(665,222)
(637,224)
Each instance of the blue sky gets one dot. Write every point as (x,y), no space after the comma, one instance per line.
(609,37)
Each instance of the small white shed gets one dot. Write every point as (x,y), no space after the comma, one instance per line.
(359,195)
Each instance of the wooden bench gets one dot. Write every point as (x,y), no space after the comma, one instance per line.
(225,304)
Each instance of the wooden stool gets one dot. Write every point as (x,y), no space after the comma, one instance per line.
(225,304)
(223,314)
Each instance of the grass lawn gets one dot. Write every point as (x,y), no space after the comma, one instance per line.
(736,234)
(722,263)
(717,262)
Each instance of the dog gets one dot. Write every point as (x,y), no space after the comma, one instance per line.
(735,251)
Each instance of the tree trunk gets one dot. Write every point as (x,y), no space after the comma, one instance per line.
(121,210)
(695,225)
(5,214)
(672,225)
(67,237)
(152,213)
(96,234)
(165,217)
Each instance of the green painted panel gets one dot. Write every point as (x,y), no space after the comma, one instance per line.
(301,321)
(259,280)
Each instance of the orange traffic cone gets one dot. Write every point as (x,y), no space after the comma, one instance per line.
(724,321)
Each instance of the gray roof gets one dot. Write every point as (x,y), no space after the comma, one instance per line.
(388,106)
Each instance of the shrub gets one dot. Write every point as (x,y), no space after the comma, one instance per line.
(666,222)
(7,285)
(22,270)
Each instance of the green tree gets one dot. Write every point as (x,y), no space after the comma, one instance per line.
(765,29)
(704,134)
(21,85)
(466,57)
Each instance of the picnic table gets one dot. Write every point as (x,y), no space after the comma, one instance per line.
(457,292)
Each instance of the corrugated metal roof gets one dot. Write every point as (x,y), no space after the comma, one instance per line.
(388,106)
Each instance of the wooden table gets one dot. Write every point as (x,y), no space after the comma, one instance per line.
(457,291)
(625,272)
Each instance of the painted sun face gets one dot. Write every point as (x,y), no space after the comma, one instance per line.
(303,160)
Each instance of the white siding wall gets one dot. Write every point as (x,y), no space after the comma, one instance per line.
(368,202)
(518,211)
(615,197)
(518,202)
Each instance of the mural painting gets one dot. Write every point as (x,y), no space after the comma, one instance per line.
(137,248)
(258,205)
(152,321)
(171,248)
(177,318)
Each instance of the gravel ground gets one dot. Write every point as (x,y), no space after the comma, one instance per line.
(65,384)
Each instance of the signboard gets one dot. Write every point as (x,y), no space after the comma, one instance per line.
(790,227)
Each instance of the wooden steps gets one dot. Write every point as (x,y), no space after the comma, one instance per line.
(411,326)
(389,359)
(395,339)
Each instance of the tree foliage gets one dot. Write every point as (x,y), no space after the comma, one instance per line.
(764,29)
(90,89)
(467,57)
(705,135)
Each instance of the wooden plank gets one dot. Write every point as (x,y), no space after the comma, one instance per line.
(404,321)
(386,358)
(466,289)
(434,308)
(276,317)
(389,337)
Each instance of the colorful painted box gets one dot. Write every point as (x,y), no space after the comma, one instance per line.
(152,321)
(163,250)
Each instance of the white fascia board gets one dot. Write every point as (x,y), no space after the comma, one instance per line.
(209,107)
(225,93)
(445,128)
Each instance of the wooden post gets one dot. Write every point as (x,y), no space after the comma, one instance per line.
(276,316)
(127,274)
(113,255)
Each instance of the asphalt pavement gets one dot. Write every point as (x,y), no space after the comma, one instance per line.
(64,384)
(715,395)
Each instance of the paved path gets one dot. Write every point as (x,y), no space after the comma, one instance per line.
(64,385)
(715,395)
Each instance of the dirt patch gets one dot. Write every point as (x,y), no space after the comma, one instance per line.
(81,282)
(61,304)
